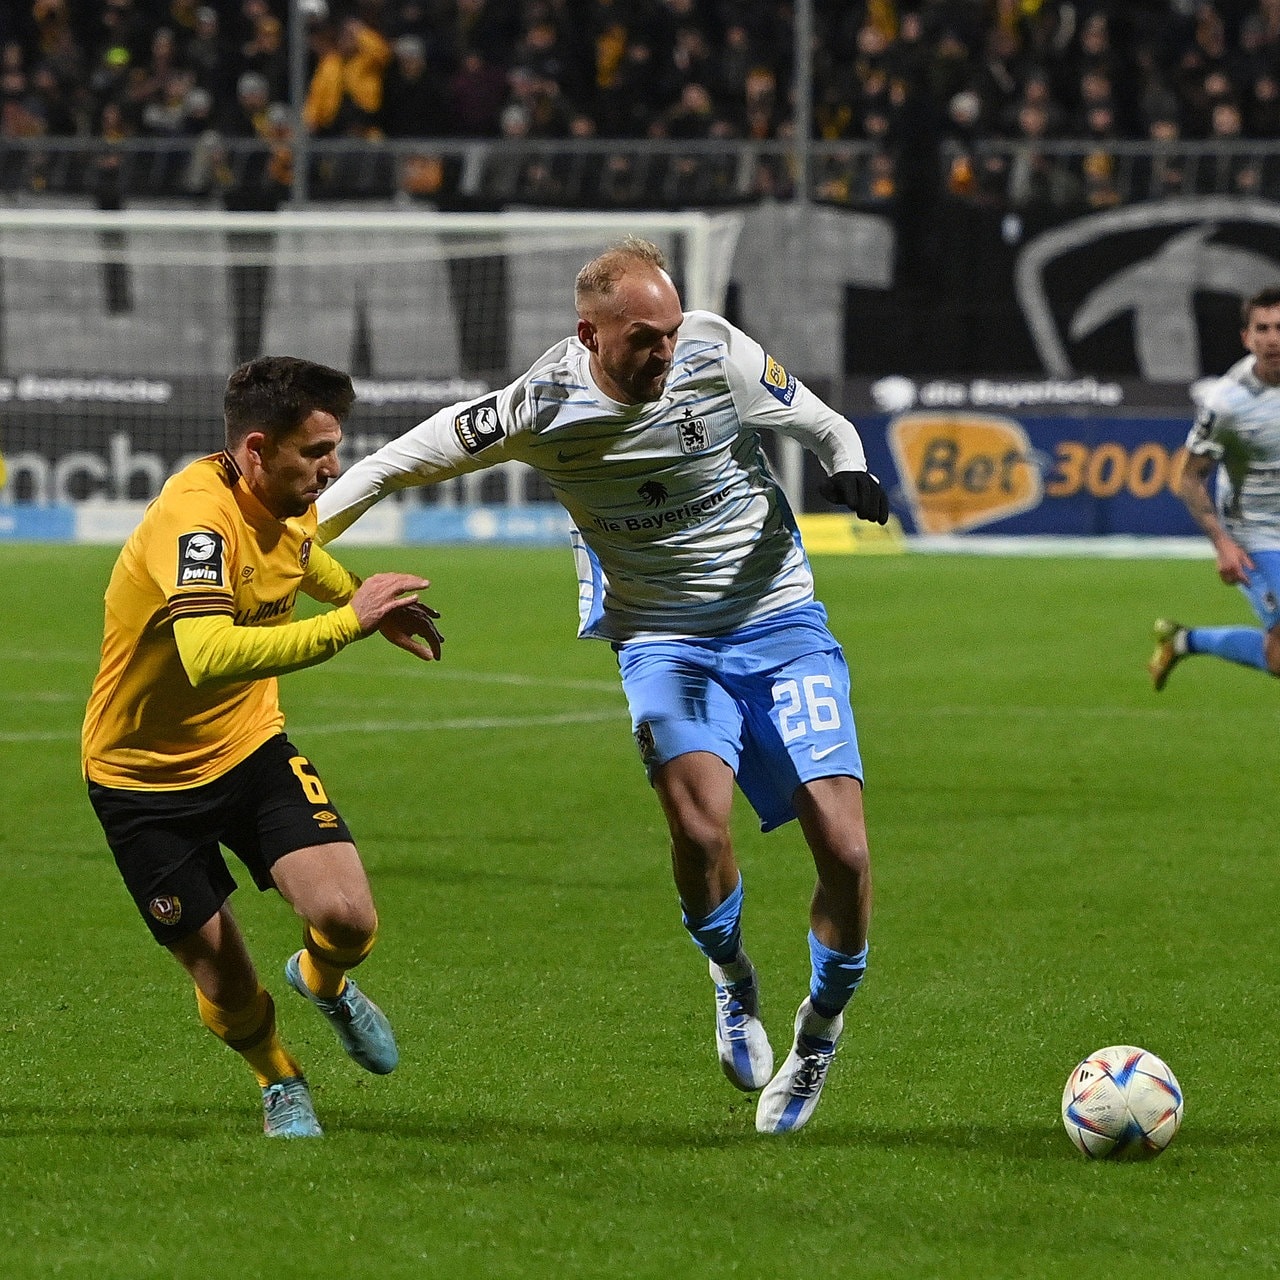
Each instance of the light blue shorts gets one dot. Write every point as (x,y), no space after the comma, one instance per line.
(771,700)
(1263,588)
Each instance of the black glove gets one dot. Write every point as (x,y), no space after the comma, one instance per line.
(860,491)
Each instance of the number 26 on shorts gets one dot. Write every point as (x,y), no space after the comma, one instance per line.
(799,712)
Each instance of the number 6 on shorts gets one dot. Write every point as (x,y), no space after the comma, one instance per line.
(306,774)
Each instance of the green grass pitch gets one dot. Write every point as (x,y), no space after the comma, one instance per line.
(1062,861)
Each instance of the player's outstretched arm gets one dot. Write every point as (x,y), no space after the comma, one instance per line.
(860,491)
(212,647)
(1192,483)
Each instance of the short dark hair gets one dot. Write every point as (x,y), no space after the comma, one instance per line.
(600,276)
(276,395)
(1268,297)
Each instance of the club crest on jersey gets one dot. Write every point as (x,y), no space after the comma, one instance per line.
(479,426)
(694,436)
(777,381)
(167,908)
(200,559)
(304,553)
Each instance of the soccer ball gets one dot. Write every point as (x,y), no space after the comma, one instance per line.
(1122,1103)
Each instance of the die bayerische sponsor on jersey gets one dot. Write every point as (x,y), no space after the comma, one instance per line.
(689,513)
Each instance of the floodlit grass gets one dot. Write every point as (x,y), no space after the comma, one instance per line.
(1063,861)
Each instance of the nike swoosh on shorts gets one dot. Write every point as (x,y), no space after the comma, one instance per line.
(816,755)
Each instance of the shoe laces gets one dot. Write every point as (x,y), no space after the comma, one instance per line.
(354,1008)
(815,1058)
(734,1001)
(284,1101)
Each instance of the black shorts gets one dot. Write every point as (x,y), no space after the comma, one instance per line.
(166,842)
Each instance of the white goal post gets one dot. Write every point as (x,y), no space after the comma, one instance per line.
(118,329)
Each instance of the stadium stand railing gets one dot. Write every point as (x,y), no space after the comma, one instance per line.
(492,174)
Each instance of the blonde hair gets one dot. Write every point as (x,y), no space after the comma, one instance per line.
(600,276)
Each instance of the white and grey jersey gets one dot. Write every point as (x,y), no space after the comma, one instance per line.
(1239,427)
(680,526)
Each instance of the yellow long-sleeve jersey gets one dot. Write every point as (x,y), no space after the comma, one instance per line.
(198,624)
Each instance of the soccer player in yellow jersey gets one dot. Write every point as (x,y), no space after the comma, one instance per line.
(184,746)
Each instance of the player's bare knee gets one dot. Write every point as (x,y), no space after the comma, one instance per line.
(1271,650)
(345,922)
(856,859)
(700,838)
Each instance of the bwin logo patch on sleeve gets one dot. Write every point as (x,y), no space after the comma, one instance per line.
(479,426)
(200,559)
(777,381)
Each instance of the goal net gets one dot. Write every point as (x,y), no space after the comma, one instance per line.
(118,330)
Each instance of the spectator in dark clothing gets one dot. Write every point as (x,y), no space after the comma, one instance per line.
(692,115)
(477,93)
(1263,107)
(412,100)
(56,105)
(207,56)
(264,52)
(626,106)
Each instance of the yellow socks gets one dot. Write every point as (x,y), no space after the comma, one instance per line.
(324,963)
(251,1032)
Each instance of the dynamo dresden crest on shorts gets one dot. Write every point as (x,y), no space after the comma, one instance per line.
(167,908)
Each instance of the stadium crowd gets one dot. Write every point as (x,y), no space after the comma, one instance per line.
(908,82)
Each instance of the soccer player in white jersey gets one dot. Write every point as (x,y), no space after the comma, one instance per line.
(690,564)
(1237,432)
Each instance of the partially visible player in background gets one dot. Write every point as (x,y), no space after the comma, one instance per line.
(690,564)
(183,742)
(1237,432)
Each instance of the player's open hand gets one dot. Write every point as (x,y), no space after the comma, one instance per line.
(409,620)
(1234,563)
(380,595)
(860,491)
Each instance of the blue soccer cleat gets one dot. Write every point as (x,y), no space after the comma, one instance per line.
(741,1043)
(791,1097)
(362,1027)
(287,1111)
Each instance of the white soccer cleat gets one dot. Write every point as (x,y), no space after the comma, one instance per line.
(741,1042)
(792,1095)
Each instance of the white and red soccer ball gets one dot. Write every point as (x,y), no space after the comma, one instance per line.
(1122,1103)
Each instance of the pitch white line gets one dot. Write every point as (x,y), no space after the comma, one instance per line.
(385,726)
(40,695)
(423,672)
(433,672)
(426,726)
